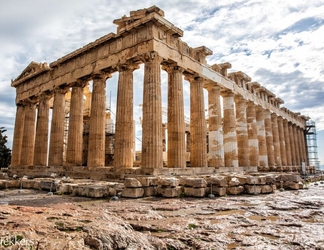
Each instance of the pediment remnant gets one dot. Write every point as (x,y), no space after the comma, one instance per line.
(32,69)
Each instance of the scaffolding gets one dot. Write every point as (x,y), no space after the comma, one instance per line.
(311,138)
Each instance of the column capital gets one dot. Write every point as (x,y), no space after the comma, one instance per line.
(29,101)
(80,83)
(101,76)
(210,85)
(61,89)
(279,118)
(46,95)
(192,77)
(251,103)
(274,115)
(227,93)
(170,67)
(128,66)
(151,56)
(240,99)
(285,121)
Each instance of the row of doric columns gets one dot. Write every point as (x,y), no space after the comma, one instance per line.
(252,136)
(246,135)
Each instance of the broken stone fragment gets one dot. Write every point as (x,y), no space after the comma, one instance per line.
(235,190)
(169,192)
(132,183)
(168,182)
(217,181)
(133,192)
(195,192)
(195,182)
(234,182)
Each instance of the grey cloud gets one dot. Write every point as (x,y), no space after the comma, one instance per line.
(294,88)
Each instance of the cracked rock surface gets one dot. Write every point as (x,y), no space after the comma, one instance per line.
(283,220)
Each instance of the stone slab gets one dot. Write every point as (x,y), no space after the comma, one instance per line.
(266,189)
(194,182)
(234,182)
(252,189)
(148,181)
(150,191)
(220,181)
(133,192)
(235,190)
(168,181)
(169,192)
(132,183)
(195,192)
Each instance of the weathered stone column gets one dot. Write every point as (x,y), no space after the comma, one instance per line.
(176,154)
(276,140)
(242,132)
(124,134)
(198,126)
(252,135)
(269,138)
(215,133)
(295,136)
(75,131)
(263,156)
(229,126)
(41,140)
(287,142)
(300,145)
(292,144)
(57,129)
(188,142)
(152,145)
(96,145)
(304,146)
(18,135)
(283,151)
(28,143)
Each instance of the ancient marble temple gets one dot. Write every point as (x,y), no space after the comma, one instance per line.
(246,127)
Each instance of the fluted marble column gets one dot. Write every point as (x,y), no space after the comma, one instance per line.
(57,129)
(302,138)
(283,151)
(176,154)
(215,126)
(41,140)
(287,142)
(97,136)
(198,127)
(124,135)
(230,140)
(300,145)
(263,156)
(242,132)
(276,140)
(28,144)
(292,144)
(269,137)
(18,135)
(296,140)
(75,130)
(152,145)
(252,135)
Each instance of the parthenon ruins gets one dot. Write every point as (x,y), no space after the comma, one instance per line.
(247,129)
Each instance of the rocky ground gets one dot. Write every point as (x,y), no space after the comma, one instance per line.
(31,219)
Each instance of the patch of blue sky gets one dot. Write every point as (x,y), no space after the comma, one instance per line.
(267,53)
(310,23)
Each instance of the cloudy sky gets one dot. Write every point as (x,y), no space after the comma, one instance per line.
(277,43)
